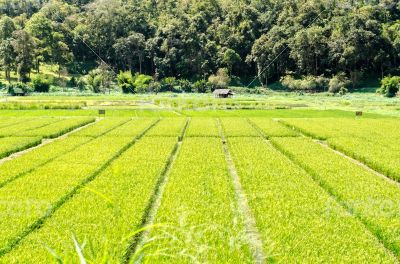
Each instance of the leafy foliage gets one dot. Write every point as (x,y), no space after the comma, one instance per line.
(193,39)
(40,84)
(311,83)
(390,86)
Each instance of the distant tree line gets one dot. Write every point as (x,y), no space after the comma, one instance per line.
(194,39)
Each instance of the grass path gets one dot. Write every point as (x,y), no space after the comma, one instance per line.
(253,235)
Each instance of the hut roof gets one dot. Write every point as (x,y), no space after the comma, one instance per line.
(223,92)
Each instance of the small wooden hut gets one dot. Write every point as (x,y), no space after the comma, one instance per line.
(223,93)
(18,92)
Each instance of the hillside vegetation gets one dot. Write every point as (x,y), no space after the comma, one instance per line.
(308,44)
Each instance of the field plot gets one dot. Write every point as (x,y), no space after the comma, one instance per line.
(291,211)
(27,125)
(9,145)
(168,127)
(9,121)
(101,127)
(375,142)
(238,127)
(194,184)
(59,128)
(372,199)
(132,128)
(20,166)
(119,195)
(203,127)
(382,157)
(199,208)
(40,191)
(272,128)
(324,128)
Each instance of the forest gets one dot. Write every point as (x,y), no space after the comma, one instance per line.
(155,44)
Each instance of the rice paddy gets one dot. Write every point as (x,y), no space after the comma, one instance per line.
(155,189)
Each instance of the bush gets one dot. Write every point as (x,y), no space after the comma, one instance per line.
(390,86)
(339,84)
(220,80)
(40,84)
(200,86)
(126,82)
(73,82)
(142,83)
(100,79)
(81,84)
(186,86)
(18,89)
(94,80)
(168,84)
(307,83)
(154,87)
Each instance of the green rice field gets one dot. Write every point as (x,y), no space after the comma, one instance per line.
(209,186)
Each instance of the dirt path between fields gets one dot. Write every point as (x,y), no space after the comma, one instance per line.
(253,235)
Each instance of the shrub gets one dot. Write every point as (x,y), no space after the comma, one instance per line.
(339,84)
(220,80)
(200,86)
(126,82)
(100,79)
(168,84)
(40,84)
(18,89)
(154,87)
(81,84)
(94,80)
(142,83)
(73,82)
(306,83)
(186,86)
(390,86)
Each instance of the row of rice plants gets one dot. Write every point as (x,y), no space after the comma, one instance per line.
(168,127)
(198,210)
(26,126)
(377,156)
(238,127)
(373,199)
(104,214)
(202,127)
(59,128)
(272,128)
(296,218)
(9,145)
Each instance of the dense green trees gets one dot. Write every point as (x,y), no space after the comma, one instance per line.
(24,48)
(192,39)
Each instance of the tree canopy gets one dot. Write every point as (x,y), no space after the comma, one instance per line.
(193,39)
